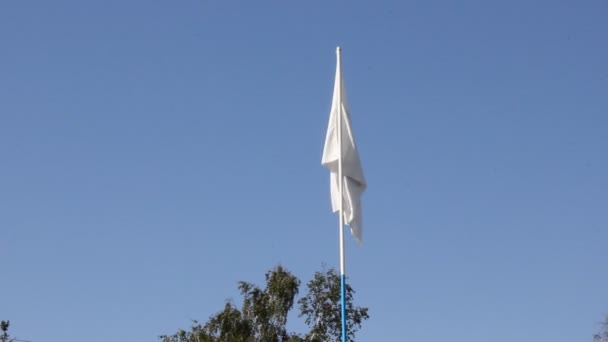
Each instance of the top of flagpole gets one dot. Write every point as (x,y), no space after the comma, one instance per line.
(338,65)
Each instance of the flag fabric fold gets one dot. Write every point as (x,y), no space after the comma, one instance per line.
(345,152)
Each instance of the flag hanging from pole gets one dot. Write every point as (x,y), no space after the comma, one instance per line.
(344,152)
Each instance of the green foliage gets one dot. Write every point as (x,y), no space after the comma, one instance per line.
(602,336)
(263,315)
(320,307)
(4,327)
(267,309)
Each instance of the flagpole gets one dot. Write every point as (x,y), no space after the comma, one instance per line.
(341,192)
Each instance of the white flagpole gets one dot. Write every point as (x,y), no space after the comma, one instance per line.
(341,213)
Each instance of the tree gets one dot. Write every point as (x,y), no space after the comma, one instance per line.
(602,336)
(4,327)
(5,337)
(263,315)
(321,306)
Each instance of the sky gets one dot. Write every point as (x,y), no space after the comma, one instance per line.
(154,153)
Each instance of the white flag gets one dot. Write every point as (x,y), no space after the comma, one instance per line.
(353,181)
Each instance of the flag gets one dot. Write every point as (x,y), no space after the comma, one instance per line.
(344,152)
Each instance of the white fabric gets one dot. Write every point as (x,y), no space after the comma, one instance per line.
(352,173)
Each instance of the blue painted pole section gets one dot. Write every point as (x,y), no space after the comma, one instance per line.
(343,305)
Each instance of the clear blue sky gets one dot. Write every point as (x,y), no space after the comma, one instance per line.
(153,153)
